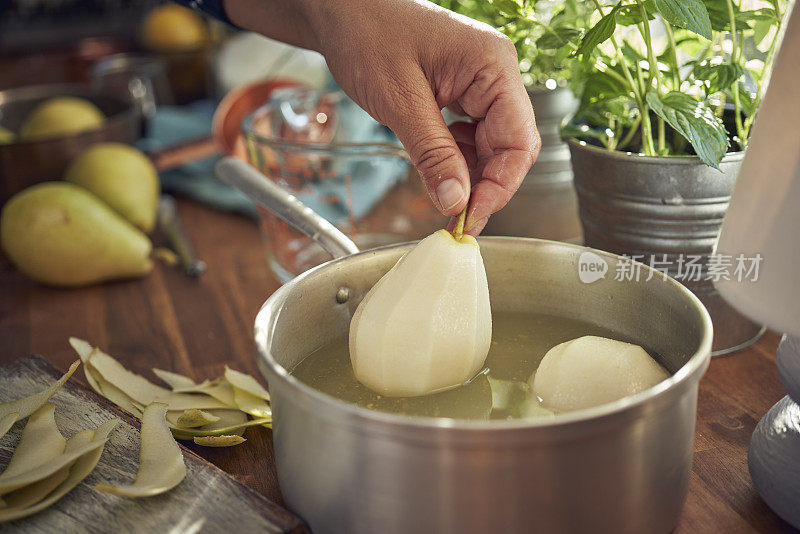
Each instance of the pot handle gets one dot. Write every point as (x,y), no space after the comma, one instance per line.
(273,197)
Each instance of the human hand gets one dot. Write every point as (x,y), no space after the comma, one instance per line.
(405,60)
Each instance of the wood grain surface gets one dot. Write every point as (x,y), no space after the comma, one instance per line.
(195,327)
(206,501)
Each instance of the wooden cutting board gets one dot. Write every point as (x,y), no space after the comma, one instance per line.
(208,499)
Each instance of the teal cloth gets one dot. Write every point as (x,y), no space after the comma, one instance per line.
(369,178)
(196,180)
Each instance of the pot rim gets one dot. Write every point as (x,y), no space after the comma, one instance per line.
(270,311)
(641,158)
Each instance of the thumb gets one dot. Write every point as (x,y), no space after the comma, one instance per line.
(418,124)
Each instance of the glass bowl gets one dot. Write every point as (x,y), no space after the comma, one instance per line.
(330,154)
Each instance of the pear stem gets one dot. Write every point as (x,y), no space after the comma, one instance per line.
(458,230)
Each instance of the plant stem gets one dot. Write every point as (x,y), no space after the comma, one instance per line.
(673,55)
(647,129)
(458,229)
(614,75)
(630,134)
(765,71)
(647,135)
(735,57)
(662,145)
(644,29)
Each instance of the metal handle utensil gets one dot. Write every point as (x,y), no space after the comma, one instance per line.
(277,200)
(171,226)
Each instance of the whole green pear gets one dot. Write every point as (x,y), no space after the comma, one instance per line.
(60,234)
(123,177)
(60,116)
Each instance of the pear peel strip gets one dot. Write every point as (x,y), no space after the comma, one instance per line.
(45,470)
(113,393)
(222,391)
(82,347)
(27,405)
(189,433)
(219,441)
(40,442)
(194,418)
(5,424)
(161,465)
(32,494)
(173,380)
(142,391)
(101,386)
(249,403)
(79,470)
(246,383)
(135,386)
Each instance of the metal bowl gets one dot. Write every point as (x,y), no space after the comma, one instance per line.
(620,467)
(25,163)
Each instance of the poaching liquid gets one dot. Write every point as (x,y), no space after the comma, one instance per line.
(500,391)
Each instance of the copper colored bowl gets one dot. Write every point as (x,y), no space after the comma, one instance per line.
(25,163)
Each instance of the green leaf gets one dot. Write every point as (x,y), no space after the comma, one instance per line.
(719,77)
(598,34)
(584,132)
(601,86)
(558,38)
(518,30)
(695,121)
(630,14)
(720,18)
(510,8)
(765,14)
(689,14)
(633,55)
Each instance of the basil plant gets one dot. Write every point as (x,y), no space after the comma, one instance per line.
(657,77)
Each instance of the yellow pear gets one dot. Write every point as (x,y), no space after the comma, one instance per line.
(61,116)
(123,177)
(60,234)
(172,28)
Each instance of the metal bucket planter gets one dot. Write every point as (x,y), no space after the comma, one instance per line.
(545,205)
(662,209)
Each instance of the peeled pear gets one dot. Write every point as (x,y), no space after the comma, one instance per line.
(592,370)
(60,234)
(59,116)
(426,326)
(123,177)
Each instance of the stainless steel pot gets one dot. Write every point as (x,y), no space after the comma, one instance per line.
(642,206)
(621,467)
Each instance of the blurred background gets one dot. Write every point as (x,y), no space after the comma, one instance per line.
(185,89)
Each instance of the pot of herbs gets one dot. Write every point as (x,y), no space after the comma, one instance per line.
(668,91)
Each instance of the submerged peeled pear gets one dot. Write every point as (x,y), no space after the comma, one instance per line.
(426,326)
(592,370)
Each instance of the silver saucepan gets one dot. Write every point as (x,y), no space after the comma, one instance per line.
(620,467)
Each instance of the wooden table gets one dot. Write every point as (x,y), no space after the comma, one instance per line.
(195,327)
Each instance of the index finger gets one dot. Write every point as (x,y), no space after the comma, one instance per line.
(506,141)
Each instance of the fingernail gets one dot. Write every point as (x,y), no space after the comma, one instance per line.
(449,193)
